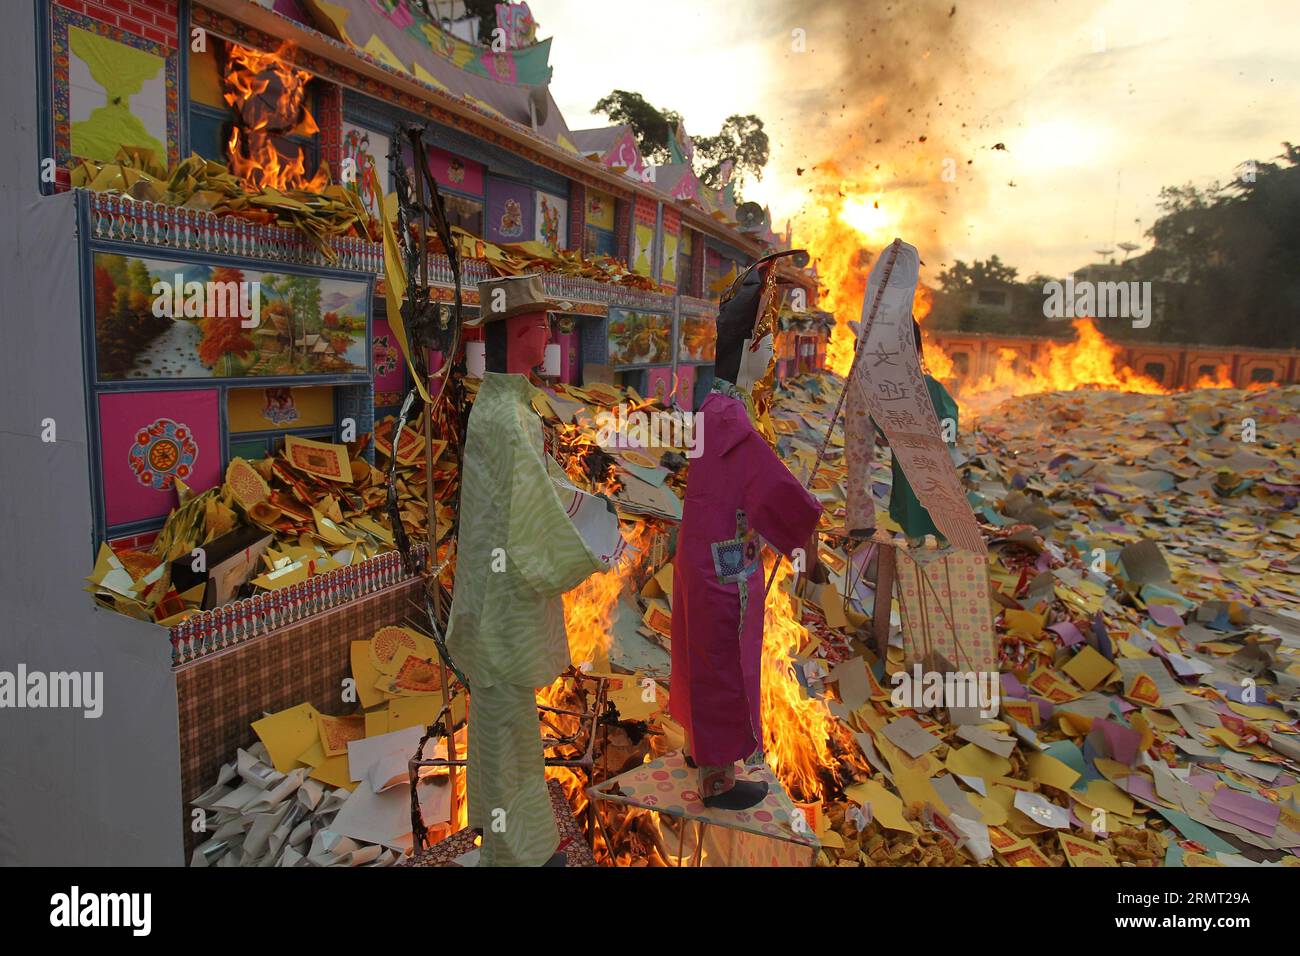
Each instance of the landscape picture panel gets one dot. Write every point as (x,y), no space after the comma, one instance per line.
(639,338)
(175,320)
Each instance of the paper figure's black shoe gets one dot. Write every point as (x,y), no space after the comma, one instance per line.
(745,794)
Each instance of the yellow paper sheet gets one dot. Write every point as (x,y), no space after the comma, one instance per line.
(886,808)
(287,734)
(1088,668)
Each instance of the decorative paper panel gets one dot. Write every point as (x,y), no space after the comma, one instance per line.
(943,599)
(643,251)
(305,325)
(463,175)
(659,383)
(552,220)
(110,88)
(390,370)
(697,340)
(266,409)
(509,211)
(368,152)
(639,338)
(669,276)
(149,439)
(600,209)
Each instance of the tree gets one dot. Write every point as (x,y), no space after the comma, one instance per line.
(652,127)
(224,335)
(105,295)
(486,11)
(742,142)
(1232,255)
(960,277)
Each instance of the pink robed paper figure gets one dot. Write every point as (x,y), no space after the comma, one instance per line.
(739,494)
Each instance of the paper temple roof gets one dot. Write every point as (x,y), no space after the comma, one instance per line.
(405,39)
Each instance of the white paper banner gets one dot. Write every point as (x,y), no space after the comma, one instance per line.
(888,379)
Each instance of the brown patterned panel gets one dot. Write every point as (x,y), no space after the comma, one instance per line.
(218,697)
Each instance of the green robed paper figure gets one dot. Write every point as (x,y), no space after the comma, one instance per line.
(904,507)
(518,552)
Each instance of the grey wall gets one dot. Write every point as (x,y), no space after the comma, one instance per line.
(72,790)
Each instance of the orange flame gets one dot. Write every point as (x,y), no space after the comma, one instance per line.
(1090,361)
(797,729)
(1222,378)
(847,227)
(268,96)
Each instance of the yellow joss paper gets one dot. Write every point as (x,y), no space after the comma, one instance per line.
(636,697)
(1107,796)
(886,808)
(974,761)
(322,459)
(1047,683)
(1046,769)
(1258,711)
(365,675)
(1024,622)
(335,732)
(413,711)
(330,770)
(1080,852)
(287,733)
(916,789)
(1088,668)
(377,719)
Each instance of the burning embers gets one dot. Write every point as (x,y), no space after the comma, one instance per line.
(269,100)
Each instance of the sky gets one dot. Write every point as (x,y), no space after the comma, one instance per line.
(1097,104)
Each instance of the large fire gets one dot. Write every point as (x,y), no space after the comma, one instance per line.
(269,99)
(847,228)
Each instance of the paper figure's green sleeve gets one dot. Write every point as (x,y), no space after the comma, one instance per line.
(543,543)
(904,507)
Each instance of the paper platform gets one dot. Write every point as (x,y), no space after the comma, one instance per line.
(760,836)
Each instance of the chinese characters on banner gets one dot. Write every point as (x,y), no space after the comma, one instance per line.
(889,384)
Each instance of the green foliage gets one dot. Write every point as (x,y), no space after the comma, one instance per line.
(652,127)
(741,141)
(1233,254)
(960,277)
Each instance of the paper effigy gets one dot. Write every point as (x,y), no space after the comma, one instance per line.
(887,382)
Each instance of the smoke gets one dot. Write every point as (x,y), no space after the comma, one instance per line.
(884,129)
